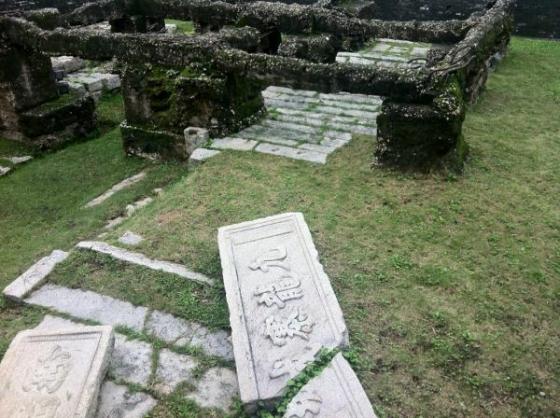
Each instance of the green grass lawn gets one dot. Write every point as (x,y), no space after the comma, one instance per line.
(450,286)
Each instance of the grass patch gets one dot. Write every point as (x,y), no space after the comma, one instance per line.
(186,27)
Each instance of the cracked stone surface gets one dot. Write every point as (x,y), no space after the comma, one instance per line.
(117,401)
(89,305)
(131,361)
(34,276)
(142,260)
(217,388)
(172,370)
(301,124)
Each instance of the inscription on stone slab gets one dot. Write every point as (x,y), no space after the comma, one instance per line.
(282,307)
(335,393)
(54,374)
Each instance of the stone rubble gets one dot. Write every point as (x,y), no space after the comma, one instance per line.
(18,160)
(142,260)
(34,276)
(116,188)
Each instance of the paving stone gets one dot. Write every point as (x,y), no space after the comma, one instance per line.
(131,361)
(51,322)
(237,144)
(291,126)
(139,204)
(89,305)
(265,135)
(172,370)
(337,135)
(130,238)
(116,188)
(19,160)
(336,392)
(142,260)
(54,373)
(200,155)
(280,301)
(4,170)
(216,389)
(318,148)
(117,401)
(295,153)
(213,343)
(34,276)
(115,222)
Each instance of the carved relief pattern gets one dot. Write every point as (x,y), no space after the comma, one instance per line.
(275,257)
(291,366)
(50,371)
(279,329)
(304,402)
(288,288)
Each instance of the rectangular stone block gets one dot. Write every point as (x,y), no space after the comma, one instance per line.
(55,374)
(282,306)
(335,392)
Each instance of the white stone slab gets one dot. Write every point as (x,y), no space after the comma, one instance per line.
(336,392)
(139,204)
(89,305)
(34,276)
(172,370)
(116,188)
(281,303)
(200,155)
(4,170)
(236,144)
(294,153)
(130,238)
(19,160)
(131,361)
(116,401)
(142,260)
(216,389)
(54,373)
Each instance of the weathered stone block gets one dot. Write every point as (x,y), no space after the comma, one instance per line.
(54,373)
(336,392)
(316,48)
(153,143)
(282,306)
(195,137)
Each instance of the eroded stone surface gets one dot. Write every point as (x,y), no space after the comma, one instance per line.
(54,373)
(130,238)
(200,155)
(116,188)
(89,305)
(216,389)
(4,170)
(336,392)
(116,401)
(34,276)
(131,361)
(172,370)
(281,303)
(142,260)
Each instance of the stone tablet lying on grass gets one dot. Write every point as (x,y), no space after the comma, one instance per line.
(335,392)
(55,374)
(282,307)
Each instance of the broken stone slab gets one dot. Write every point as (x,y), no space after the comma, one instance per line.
(116,188)
(216,389)
(180,332)
(139,204)
(19,160)
(34,276)
(200,155)
(130,238)
(172,370)
(131,361)
(142,260)
(282,306)
(85,304)
(4,170)
(335,392)
(54,373)
(117,401)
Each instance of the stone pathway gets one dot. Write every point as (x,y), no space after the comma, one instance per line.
(4,170)
(303,125)
(138,362)
(116,188)
(391,53)
(142,260)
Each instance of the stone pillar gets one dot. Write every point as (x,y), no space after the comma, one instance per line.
(160,103)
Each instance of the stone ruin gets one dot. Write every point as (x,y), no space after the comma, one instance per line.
(214,78)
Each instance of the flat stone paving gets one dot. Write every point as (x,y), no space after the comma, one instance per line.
(282,306)
(54,373)
(305,125)
(116,188)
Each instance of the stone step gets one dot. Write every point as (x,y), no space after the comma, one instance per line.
(294,153)
(297,102)
(318,119)
(284,134)
(292,126)
(88,305)
(144,261)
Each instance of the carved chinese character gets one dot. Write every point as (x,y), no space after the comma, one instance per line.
(286,289)
(279,329)
(275,257)
(50,371)
(304,402)
(293,365)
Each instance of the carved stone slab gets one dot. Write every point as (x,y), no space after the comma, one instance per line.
(282,306)
(54,374)
(336,392)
